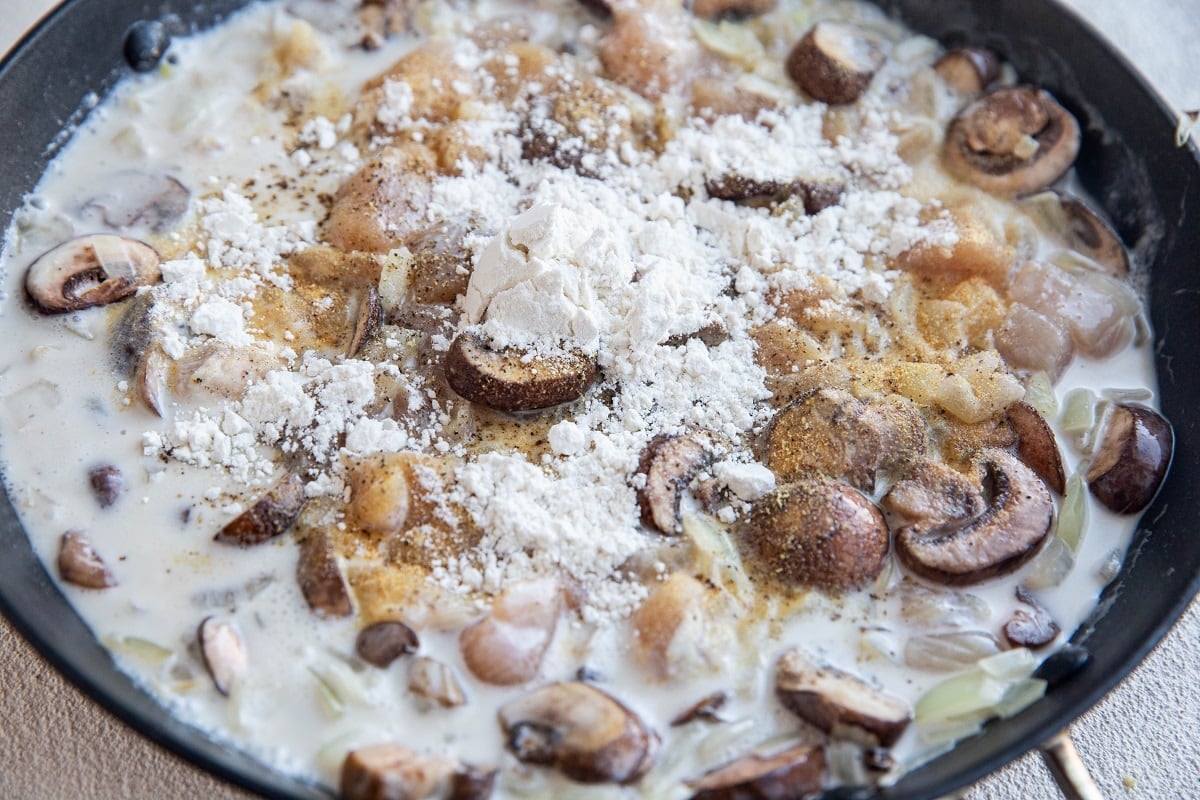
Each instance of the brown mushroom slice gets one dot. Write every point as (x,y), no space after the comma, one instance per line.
(672,627)
(1089,234)
(107,484)
(669,463)
(90,271)
(730,9)
(513,379)
(1034,628)
(383,642)
(705,708)
(1036,445)
(1012,141)
(506,647)
(380,494)
(80,564)
(436,682)
(269,517)
(1008,533)
(797,771)
(150,200)
(223,652)
(320,578)
(585,733)
(838,703)
(815,195)
(366,320)
(932,494)
(835,61)
(392,772)
(970,70)
(151,379)
(816,534)
(831,432)
(1132,458)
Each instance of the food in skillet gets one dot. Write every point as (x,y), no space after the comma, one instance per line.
(484,400)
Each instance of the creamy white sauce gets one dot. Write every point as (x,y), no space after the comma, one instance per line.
(65,413)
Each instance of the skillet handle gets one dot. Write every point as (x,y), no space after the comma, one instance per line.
(1067,768)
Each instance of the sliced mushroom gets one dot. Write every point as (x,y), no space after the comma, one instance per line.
(585,733)
(932,494)
(795,772)
(970,70)
(223,652)
(730,9)
(830,432)
(705,708)
(1132,458)
(90,271)
(1006,535)
(1089,234)
(513,379)
(80,564)
(669,463)
(1034,628)
(383,642)
(269,517)
(1036,445)
(816,534)
(838,703)
(506,647)
(107,484)
(320,577)
(1012,141)
(835,62)
(816,195)
(434,681)
(142,199)
(392,772)
(366,320)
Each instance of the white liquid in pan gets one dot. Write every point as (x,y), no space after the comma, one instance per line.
(64,411)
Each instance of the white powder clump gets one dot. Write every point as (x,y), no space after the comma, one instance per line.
(222,320)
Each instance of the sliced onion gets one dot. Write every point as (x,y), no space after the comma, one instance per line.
(933,609)
(949,652)
(1073,514)
(1010,665)
(1051,566)
(1039,393)
(1020,696)
(966,694)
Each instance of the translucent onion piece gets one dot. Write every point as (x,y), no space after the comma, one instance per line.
(729,740)
(939,609)
(143,650)
(1110,566)
(949,652)
(716,557)
(962,695)
(330,700)
(1039,393)
(1020,696)
(1050,567)
(1079,412)
(1010,665)
(1073,514)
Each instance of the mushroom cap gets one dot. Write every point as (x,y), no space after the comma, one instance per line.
(968,69)
(269,517)
(1012,141)
(669,464)
(1132,459)
(831,432)
(838,703)
(796,771)
(835,61)
(90,271)
(1008,533)
(584,732)
(509,380)
(817,534)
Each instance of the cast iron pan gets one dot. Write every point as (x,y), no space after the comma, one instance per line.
(1130,163)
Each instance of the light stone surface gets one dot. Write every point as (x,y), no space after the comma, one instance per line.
(1141,743)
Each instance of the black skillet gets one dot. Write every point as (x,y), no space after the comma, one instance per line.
(1129,162)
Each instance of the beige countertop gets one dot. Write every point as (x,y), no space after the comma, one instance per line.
(1141,743)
